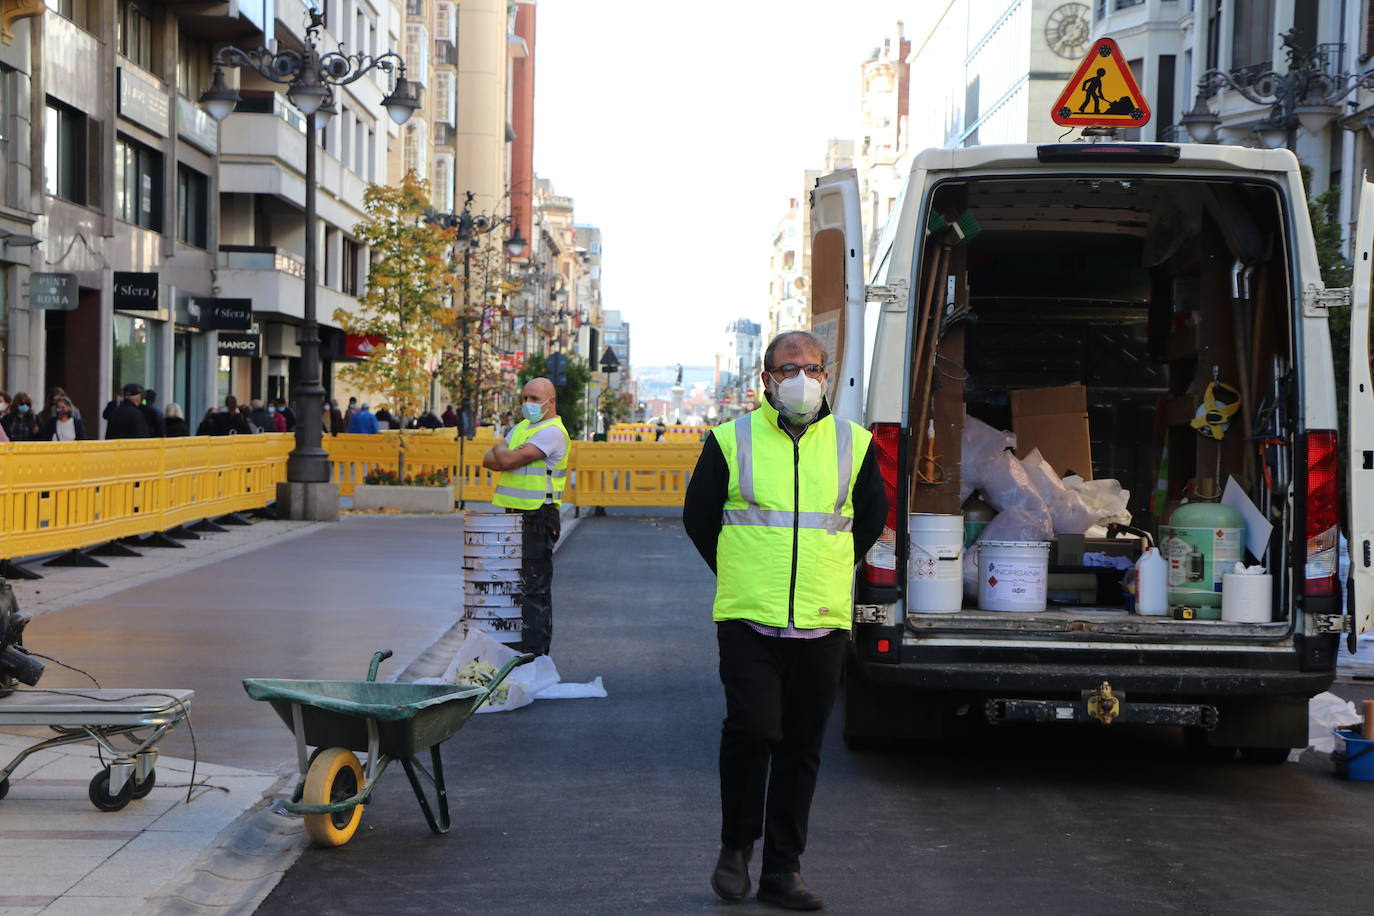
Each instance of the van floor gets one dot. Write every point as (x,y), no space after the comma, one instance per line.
(1088,620)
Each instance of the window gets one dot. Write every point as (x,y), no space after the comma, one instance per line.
(446,97)
(134,34)
(446,23)
(371,154)
(327,278)
(138,184)
(69,139)
(352,264)
(6,132)
(85,13)
(442,182)
(417,53)
(193,217)
(415,156)
(193,66)
(345,137)
(1252,34)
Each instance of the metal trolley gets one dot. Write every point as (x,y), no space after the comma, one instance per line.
(126,724)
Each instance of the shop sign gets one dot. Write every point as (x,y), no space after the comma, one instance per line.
(235,343)
(358,346)
(196,127)
(143,101)
(52,291)
(135,291)
(225,314)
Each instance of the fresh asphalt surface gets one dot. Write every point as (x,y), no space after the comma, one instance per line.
(610,806)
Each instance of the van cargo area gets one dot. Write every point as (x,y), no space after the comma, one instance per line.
(1163,299)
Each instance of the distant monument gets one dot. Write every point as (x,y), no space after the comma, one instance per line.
(676,393)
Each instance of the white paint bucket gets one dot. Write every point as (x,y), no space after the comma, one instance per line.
(1012,575)
(934,577)
(1247,598)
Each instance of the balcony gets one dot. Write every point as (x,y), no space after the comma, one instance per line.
(275,280)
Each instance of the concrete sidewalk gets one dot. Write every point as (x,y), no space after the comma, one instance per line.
(280,599)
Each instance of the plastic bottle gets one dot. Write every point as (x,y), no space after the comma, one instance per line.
(1151,580)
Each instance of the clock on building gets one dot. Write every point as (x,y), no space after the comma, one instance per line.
(1068,29)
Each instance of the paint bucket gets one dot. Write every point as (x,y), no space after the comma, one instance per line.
(491,575)
(1246,598)
(1353,756)
(1012,575)
(934,577)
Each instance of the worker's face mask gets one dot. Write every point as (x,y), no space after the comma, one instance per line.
(533,410)
(798,398)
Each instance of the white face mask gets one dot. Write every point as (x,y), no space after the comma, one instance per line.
(799,398)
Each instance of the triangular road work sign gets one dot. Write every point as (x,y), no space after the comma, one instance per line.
(1102,92)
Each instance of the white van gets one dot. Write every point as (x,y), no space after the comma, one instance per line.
(1141,272)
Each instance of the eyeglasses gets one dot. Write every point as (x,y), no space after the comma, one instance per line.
(790,370)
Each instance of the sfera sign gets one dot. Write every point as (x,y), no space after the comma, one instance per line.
(225,314)
(52,291)
(135,291)
(240,344)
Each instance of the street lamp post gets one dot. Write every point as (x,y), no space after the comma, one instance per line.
(310,77)
(1308,95)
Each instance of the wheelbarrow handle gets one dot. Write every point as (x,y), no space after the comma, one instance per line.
(377,659)
(506,669)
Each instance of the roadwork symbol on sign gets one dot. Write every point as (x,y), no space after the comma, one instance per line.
(1102,92)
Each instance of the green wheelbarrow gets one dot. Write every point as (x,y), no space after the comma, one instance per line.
(388,721)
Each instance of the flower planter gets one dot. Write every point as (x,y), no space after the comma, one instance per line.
(403,499)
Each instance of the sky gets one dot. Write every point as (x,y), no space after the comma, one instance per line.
(681,130)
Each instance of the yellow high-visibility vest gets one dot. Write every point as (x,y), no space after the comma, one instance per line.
(536,483)
(786,546)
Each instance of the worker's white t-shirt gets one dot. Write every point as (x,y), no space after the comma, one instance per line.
(549,440)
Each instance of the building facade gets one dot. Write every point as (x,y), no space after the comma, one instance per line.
(737,367)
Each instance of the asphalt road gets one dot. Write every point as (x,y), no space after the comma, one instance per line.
(610,806)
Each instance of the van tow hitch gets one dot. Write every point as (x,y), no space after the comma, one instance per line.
(1102,705)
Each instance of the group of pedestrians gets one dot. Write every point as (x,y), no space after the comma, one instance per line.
(21,421)
(255,416)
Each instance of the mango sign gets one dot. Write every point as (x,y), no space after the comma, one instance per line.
(1102,92)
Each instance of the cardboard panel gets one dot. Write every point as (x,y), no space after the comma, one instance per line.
(1054,420)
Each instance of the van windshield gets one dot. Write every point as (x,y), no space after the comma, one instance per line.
(1150,302)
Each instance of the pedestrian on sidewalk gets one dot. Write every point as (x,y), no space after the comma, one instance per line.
(174,422)
(363,422)
(157,423)
(64,425)
(228,420)
(20,422)
(784,501)
(533,461)
(124,417)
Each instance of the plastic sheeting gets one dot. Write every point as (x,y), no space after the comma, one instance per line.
(538,680)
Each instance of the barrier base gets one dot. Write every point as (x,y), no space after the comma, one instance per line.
(233,518)
(11,570)
(156,539)
(308,502)
(74,558)
(205,526)
(182,533)
(113,549)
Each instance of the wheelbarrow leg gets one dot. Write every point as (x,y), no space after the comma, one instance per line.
(442,823)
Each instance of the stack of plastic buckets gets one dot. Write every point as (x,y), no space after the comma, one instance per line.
(491,575)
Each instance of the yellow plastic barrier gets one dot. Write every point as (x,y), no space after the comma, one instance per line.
(638,474)
(57,496)
(647,432)
(354,456)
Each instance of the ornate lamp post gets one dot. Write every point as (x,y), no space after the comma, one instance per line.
(1308,95)
(310,77)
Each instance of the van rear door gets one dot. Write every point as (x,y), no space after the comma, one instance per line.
(1361,423)
(837,287)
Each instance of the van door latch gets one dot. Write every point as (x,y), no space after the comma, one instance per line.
(1317,301)
(893,298)
(1331,623)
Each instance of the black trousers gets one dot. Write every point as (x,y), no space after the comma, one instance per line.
(778,695)
(539,534)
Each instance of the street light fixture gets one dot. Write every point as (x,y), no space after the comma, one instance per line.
(310,77)
(1307,95)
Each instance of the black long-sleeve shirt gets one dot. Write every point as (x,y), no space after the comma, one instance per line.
(704,503)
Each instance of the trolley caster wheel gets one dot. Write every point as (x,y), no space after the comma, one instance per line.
(334,776)
(4,787)
(141,789)
(100,792)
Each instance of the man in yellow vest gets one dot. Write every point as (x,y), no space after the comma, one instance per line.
(533,461)
(782,504)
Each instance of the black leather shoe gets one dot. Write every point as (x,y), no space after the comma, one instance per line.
(730,880)
(789,891)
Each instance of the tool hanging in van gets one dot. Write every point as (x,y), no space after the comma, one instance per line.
(1219,405)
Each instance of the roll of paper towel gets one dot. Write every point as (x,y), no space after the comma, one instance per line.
(1246,597)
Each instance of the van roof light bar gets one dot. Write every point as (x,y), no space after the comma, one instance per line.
(1107,152)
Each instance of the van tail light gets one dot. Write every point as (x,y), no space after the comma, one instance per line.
(1323,514)
(880,564)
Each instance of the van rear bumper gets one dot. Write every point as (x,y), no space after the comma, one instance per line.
(1032,671)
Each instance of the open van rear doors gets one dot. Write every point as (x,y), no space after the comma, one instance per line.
(1360,452)
(837,287)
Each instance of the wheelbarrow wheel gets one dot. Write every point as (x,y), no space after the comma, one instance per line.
(334,776)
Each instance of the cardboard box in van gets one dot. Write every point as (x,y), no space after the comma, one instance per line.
(1054,420)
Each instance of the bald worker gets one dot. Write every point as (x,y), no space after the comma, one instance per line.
(533,461)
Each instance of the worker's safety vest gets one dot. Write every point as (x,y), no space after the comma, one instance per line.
(786,546)
(536,483)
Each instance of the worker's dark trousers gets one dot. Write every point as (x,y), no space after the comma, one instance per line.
(536,576)
(778,694)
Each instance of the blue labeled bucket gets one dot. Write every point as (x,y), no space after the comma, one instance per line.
(1353,756)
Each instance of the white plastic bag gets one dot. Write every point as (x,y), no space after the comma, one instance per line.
(982,446)
(524,682)
(1326,712)
(1067,509)
(1104,497)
